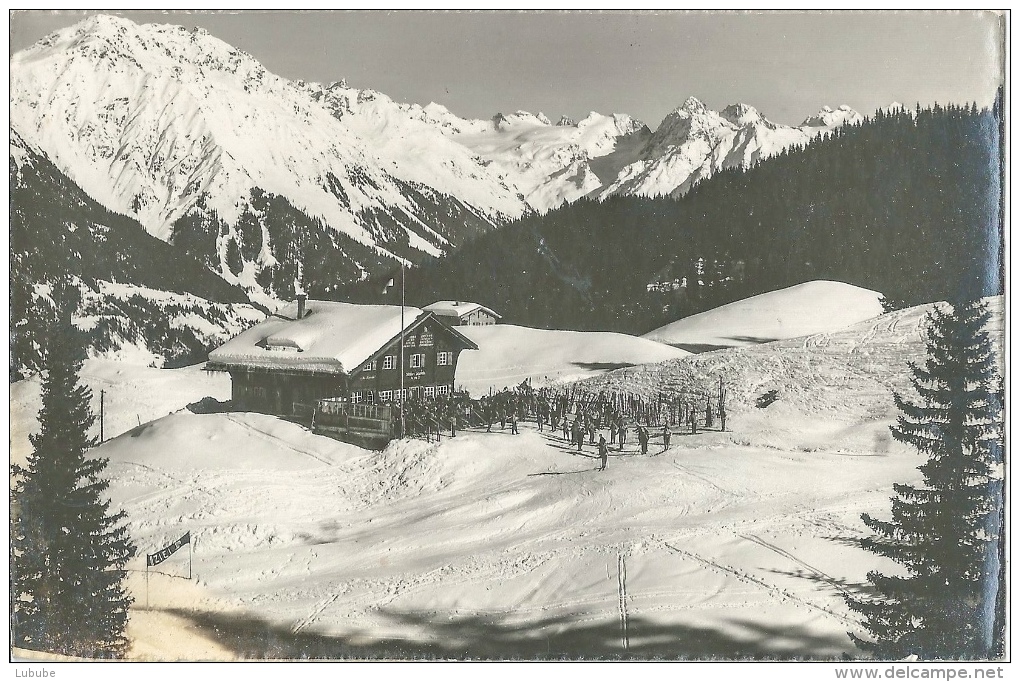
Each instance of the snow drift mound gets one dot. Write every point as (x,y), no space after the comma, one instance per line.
(811,308)
(509,354)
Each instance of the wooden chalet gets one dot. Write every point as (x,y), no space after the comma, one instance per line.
(290,362)
(463,313)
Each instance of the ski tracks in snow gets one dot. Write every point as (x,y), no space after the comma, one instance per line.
(771,589)
(275,440)
(621,576)
(319,608)
(783,553)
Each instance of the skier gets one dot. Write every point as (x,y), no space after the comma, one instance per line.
(665,438)
(623,435)
(642,434)
(603,452)
(513,423)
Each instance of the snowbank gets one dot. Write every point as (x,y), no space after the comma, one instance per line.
(810,308)
(133,396)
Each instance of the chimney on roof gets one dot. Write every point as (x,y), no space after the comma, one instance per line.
(301,304)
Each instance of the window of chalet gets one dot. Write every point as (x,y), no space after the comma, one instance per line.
(385,396)
(444,357)
(356,397)
(417,360)
(443,390)
(387,362)
(372,366)
(430,391)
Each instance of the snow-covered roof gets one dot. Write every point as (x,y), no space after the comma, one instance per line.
(458,309)
(331,337)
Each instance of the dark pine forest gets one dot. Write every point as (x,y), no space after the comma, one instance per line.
(907,203)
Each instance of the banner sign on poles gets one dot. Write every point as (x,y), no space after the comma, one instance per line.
(164,554)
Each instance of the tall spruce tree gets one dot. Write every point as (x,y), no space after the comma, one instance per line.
(68,550)
(945,532)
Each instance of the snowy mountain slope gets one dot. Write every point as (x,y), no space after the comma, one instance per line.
(490,544)
(139,296)
(248,171)
(161,123)
(727,545)
(509,354)
(552,164)
(693,142)
(809,308)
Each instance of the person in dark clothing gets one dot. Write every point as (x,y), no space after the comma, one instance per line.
(513,423)
(603,452)
(642,435)
(665,438)
(623,435)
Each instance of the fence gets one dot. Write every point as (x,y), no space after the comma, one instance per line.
(354,421)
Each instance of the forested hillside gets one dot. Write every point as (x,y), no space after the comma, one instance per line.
(59,232)
(907,203)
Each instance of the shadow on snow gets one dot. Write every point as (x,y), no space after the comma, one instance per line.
(495,637)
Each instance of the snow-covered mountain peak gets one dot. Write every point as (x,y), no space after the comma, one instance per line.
(692,105)
(828,118)
(110,40)
(179,130)
(741,114)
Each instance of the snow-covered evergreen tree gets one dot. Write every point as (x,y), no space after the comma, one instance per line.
(68,550)
(944,533)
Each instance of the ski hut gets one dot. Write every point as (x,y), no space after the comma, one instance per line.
(459,313)
(290,362)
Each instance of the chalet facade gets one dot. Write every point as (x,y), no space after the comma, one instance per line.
(460,313)
(287,363)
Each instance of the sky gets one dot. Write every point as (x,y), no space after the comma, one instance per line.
(786,64)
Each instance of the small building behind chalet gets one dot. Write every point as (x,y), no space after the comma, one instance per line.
(325,349)
(460,313)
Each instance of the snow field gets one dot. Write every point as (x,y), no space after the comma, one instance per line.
(135,395)
(518,531)
(810,308)
(731,545)
(509,354)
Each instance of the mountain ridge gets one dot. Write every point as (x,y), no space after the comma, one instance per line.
(177,128)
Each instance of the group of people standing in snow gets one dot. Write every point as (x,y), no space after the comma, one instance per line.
(576,415)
